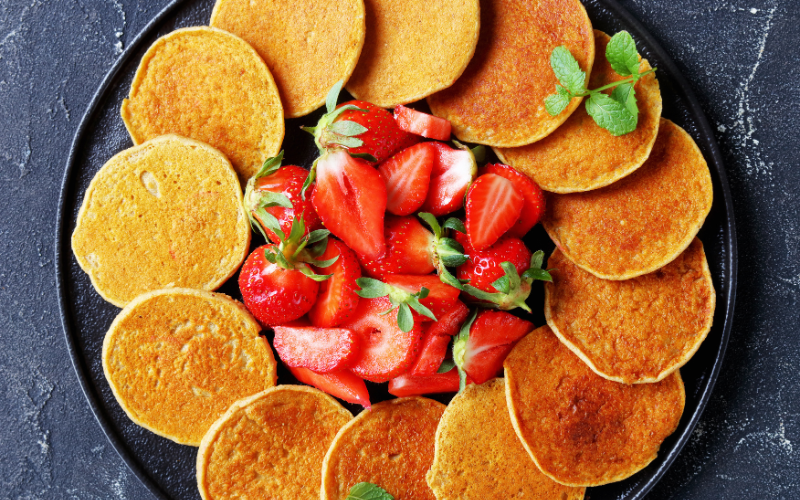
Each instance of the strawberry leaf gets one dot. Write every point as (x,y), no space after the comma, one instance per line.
(348,142)
(311,274)
(368,491)
(348,128)
(415,305)
(446,366)
(537,274)
(270,166)
(432,222)
(372,288)
(460,350)
(455,225)
(317,235)
(479,153)
(333,96)
(270,222)
(364,156)
(537,259)
(447,278)
(502,284)
(404,318)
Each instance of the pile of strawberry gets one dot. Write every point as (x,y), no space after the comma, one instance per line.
(380,303)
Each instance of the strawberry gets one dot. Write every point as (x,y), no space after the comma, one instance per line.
(532,209)
(493,206)
(337,297)
(452,173)
(342,384)
(407,175)
(436,339)
(419,123)
(440,299)
(409,385)
(450,322)
(322,350)
(386,350)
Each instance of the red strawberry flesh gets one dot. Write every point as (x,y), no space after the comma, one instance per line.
(452,173)
(431,354)
(407,175)
(337,297)
(491,338)
(408,385)
(287,180)
(483,267)
(532,209)
(409,249)
(342,384)
(382,138)
(419,123)
(441,299)
(493,207)
(322,350)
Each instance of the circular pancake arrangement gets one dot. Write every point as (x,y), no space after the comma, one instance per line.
(177,359)
(413,49)
(390,445)
(499,100)
(165,214)
(633,331)
(582,429)
(479,457)
(270,445)
(307,45)
(212,86)
(642,222)
(581,156)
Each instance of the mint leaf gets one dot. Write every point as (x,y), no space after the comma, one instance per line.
(368,491)
(567,70)
(610,114)
(626,95)
(558,102)
(622,54)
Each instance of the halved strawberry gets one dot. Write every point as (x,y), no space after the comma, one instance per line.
(407,175)
(322,350)
(432,352)
(450,322)
(441,298)
(342,384)
(452,173)
(493,207)
(419,123)
(408,385)
(337,297)
(480,348)
(533,208)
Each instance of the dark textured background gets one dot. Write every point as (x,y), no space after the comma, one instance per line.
(741,59)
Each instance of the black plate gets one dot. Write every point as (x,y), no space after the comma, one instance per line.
(168,469)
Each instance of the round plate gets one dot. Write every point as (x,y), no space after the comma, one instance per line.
(167,469)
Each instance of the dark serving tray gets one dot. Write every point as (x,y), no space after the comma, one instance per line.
(167,469)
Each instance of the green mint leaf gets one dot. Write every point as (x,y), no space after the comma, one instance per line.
(610,114)
(567,70)
(432,223)
(455,225)
(446,366)
(558,102)
(372,288)
(348,128)
(368,491)
(270,166)
(404,319)
(622,54)
(333,96)
(625,94)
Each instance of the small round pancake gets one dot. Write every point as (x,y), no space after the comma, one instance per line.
(479,456)
(581,156)
(390,445)
(633,331)
(177,359)
(209,85)
(581,429)
(307,45)
(642,222)
(164,214)
(413,49)
(270,445)
(499,100)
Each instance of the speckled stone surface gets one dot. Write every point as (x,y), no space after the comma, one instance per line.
(741,59)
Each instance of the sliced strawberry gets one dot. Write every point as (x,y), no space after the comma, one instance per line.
(407,175)
(533,209)
(452,173)
(342,384)
(322,350)
(408,385)
(337,297)
(493,207)
(386,350)
(441,299)
(431,354)
(450,322)
(419,123)
(409,249)
(491,337)
(350,198)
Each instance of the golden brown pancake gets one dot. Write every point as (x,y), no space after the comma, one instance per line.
(307,45)
(499,100)
(633,331)
(390,445)
(270,445)
(581,429)
(209,85)
(164,214)
(479,457)
(642,222)
(413,49)
(581,156)
(177,359)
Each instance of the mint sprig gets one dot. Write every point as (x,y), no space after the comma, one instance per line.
(368,491)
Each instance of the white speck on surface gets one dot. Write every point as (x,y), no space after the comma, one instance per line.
(722,128)
(766,438)
(754,10)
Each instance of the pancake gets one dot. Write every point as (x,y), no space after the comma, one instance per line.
(307,45)
(581,156)
(581,429)
(499,100)
(633,331)
(270,445)
(642,222)
(413,49)
(390,445)
(479,457)
(164,214)
(208,85)
(177,359)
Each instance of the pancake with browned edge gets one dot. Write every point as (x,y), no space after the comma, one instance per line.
(499,100)
(177,359)
(582,429)
(307,45)
(642,222)
(479,457)
(207,84)
(390,445)
(581,156)
(165,214)
(270,445)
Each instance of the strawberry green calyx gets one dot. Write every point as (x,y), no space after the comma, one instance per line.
(447,252)
(297,251)
(460,350)
(401,300)
(512,289)
(256,202)
(328,132)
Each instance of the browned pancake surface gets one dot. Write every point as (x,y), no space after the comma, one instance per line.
(581,429)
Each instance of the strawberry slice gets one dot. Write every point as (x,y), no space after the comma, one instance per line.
(419,123)
(342,384)
(408,385)
(337,297)
(493,207)
(532,209)
(436,339)
(409,249)
(449,324)
(350,198)
(407,175)
(452,173)
(492,335)
(386,350)
(322,350)
(441,299)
